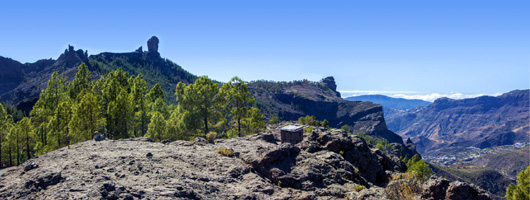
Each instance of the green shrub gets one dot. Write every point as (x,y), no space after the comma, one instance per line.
(309,120)
(225,152)
(345,128)
(419,168)
(358,188)
(211,137)
(274,120)
(308,129)
(325,123)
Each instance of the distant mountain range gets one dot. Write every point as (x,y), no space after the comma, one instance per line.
(386,101)
(476,122)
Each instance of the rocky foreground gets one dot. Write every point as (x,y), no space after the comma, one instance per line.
(327,164)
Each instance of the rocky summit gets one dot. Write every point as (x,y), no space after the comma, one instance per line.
(327,164)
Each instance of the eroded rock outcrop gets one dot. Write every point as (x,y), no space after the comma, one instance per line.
(152,44)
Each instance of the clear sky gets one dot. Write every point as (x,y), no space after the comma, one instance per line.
(399,48)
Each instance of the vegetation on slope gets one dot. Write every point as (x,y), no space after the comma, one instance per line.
(122,106)
(155,70)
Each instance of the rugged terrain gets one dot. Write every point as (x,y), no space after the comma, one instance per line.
(327,164)
(477,122)
(291,100)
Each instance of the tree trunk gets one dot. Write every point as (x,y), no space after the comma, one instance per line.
(205,125)
(1,164)
(10,158)
(27,146)
(18,153)
(239,126)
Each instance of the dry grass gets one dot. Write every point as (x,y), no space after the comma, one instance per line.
(225,152)
(403,186)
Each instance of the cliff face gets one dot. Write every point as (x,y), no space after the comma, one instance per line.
(291,100)
(480,122)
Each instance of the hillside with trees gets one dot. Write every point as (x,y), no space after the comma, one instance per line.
(120,106)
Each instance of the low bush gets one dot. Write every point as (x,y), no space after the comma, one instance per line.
(225,152)
(211,137)
(358,188)
(403,186)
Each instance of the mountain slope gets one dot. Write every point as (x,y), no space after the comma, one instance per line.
(480,122)
(507,163)
(386,101)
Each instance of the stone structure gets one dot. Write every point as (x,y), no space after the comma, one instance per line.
(292,134)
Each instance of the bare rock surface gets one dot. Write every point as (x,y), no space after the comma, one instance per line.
(327,164)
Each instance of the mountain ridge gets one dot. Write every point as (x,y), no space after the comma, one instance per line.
(386,101)
(480,122)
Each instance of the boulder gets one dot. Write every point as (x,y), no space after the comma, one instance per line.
(30,167)
(435,189)
(98,137)
(462,191)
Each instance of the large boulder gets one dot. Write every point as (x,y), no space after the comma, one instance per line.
(462,191)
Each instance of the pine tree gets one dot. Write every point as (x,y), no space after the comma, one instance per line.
(139,103)
(199,101)
(157,127)
(254,121)
(58,126)
(12,143)
(86,118)
(81,81)
(120,114)
(44,109)
(155,93)
(26,130)
(238,100)
(5,125)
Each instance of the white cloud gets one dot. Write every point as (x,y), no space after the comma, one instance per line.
(413,95)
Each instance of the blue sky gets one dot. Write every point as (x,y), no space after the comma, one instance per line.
(458,48)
